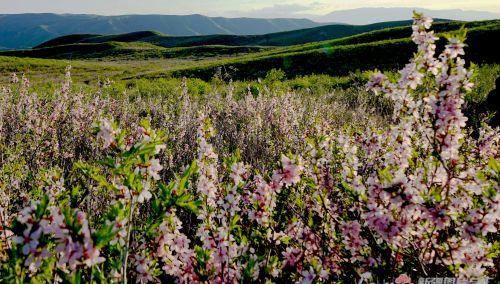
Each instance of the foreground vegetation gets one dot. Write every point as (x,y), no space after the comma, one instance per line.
(308,180)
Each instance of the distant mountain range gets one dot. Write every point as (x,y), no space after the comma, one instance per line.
(28,30)
(363,16)
(18,31)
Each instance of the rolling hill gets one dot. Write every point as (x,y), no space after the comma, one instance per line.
(148,44)
(28,30)
(113,50)
(273,39)
(385,49)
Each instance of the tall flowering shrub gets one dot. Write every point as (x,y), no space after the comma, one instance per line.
(429,189)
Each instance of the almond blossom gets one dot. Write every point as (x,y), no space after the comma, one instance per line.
(29,240)
(106,133)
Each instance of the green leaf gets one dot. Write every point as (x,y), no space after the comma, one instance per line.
(109,162)
(185,202)
(494,165)
(103,236)
(384,175)
(234,222)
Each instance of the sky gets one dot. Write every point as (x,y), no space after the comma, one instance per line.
(230,8)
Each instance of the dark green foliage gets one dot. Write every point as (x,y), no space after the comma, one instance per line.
(128,51)
(341,59)
(272,39)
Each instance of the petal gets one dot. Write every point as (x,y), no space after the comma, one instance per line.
(36,235)
(26,249)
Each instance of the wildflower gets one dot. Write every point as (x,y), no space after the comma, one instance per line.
(120,229)
(159,148)
(454,48)
(153,168)
(421,21)
(376,83)
(91,255)
(308,276)
(29,240)
(145,193)
(35,258)
(291,256)
(142,269)
(238,170)
(403,278)
(14,79)
(410,77)
(106,133)
(290,173)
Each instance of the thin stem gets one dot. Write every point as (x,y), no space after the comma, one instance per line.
(4,228)
(129,229)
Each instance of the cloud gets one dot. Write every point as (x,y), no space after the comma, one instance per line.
(280,11)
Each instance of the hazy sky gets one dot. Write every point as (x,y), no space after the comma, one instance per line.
(230,8)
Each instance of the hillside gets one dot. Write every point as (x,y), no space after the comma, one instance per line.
(273,39)
(28,30)
(148,44)
(130,51)
(378,35)
(386,50)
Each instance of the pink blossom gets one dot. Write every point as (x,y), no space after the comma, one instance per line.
(238,170)
(454,48)
(153,168)
(308,276)
(376,83)
(29,240)
(291,172)
(145,194)
(91,256)
(291,256)
(106,133)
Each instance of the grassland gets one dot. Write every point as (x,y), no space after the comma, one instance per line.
(273,39)
(385,49)
(151,55)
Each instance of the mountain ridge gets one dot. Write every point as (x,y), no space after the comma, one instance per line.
(21,31)
(325,32)
(28,30)
(362,16)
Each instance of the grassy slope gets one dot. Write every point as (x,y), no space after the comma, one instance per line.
(130,51)
(386,49)
(273,39)
(113,46)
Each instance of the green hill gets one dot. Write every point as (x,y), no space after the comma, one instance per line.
(113,50)
(382,50)
(378,35)
(93,38)
(272,39)
(28,30)
(148,44)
